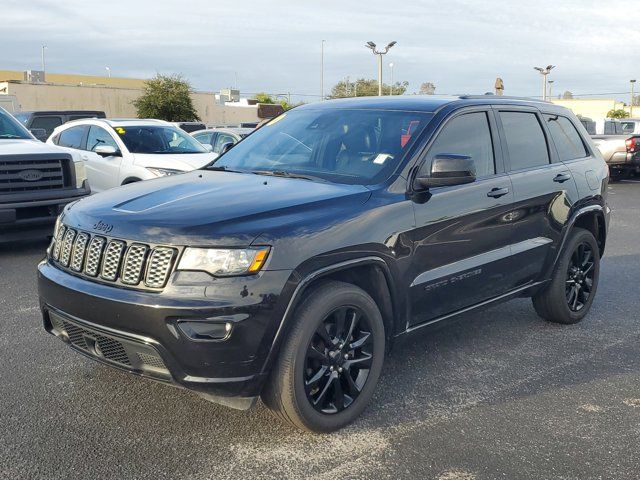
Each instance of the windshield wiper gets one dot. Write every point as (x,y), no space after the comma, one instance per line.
(10,135)
(221,168)
(282,173)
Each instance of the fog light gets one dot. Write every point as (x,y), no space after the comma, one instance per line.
(205,330)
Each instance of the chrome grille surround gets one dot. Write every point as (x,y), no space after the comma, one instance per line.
(94,255)
(160,263)
(113,261)
(58,240)
(67,246)
(134,263)
(79,249)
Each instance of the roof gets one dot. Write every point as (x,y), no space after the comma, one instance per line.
(236,130)
(424,103)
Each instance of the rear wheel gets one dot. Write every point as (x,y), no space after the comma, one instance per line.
(568,298)
(331,360)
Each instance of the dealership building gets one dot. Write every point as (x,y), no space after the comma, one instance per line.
(30,90)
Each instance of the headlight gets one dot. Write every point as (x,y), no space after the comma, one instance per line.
(81,173)
(164,172)
(224,262)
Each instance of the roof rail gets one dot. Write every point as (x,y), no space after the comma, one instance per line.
(506,97)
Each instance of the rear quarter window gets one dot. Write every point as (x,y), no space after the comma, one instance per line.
(566,138)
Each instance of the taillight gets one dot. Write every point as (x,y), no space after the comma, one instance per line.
(631,144)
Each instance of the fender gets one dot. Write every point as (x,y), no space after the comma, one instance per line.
(569,226)
(306,281)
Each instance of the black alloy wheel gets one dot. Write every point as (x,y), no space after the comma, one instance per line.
(580,275)
(338,360)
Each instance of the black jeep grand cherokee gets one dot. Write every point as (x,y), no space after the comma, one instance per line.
(288,267)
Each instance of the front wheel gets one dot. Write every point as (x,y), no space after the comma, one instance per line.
(569,296)
(331,360)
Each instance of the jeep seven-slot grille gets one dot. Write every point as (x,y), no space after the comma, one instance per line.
(113,260)
(29,175)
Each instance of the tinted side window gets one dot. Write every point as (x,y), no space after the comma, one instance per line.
(526,144)
(566,138)
(467,134)
(99,136)
(71,137)
(48,123)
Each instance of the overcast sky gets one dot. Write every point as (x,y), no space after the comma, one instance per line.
(459,45)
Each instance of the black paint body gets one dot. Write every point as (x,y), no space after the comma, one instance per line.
(427,255)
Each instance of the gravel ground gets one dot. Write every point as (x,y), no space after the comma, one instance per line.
(501,394)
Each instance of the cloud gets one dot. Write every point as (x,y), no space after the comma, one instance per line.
(460,45)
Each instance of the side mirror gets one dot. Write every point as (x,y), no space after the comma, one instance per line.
(107,151)
(226,147)
(39,133)
(449,169)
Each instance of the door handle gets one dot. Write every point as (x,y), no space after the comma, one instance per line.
(561,177)
(497,192)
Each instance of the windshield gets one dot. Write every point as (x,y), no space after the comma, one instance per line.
(158,139)
(10,128)
(22,118)
(343,146)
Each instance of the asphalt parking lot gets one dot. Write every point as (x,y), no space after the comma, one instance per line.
(500,395)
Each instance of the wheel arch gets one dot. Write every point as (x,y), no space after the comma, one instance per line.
(372,274)
(129,180)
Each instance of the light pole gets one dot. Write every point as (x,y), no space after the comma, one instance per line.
(322,72)
(633,82)
(108,71)
(44,47)
(550,82)
(544,72)
(372,46)
(391,67)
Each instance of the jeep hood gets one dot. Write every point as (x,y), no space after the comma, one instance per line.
(211,207)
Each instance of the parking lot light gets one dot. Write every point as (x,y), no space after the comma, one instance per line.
(544,72)
(380,53)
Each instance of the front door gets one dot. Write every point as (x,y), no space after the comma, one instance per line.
(463,233)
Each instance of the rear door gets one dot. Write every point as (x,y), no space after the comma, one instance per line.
(463,235)
(103,172)
(543,188)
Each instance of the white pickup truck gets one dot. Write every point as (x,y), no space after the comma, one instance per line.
(36,182)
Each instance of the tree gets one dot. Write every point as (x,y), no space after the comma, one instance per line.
(427,88)
(167,97)
(266,98)
(567,95)
(365,88)
(619,113)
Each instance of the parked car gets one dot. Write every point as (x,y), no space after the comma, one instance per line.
(218,137)
(42,123)
(289,267)
(119,152)
(36,182)
(621,152)
(190,126)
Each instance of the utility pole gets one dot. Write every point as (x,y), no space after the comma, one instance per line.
(633,82)
(391,66)
(380,53)
(544,72)
(322,72)
(550,82)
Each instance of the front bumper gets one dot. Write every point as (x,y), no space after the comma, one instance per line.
(139,331)
(31,215)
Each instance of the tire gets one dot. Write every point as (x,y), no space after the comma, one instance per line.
(569,295)
(309,356)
